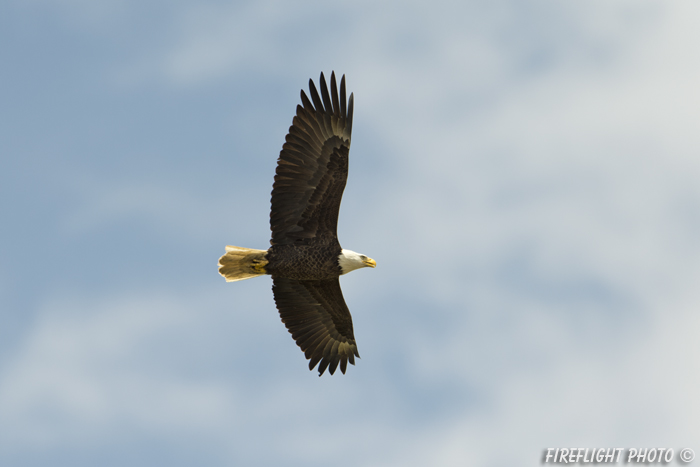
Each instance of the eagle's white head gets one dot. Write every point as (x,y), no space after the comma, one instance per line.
(350,260)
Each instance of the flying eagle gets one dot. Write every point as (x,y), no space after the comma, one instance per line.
(305,258)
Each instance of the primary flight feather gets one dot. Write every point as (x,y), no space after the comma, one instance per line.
(306,259)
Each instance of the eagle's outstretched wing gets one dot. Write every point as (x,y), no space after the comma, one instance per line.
(312,167)
(316,315)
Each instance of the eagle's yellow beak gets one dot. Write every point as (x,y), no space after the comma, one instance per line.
(369,262)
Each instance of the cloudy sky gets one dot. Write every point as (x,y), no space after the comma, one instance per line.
(525,173)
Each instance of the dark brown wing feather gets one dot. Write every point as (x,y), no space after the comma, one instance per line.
(313,167)
(318,319)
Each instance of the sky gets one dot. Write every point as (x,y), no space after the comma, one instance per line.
(525,173)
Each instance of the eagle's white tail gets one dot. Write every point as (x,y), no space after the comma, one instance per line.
(242,263)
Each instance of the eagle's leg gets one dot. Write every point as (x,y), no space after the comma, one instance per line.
(258,265)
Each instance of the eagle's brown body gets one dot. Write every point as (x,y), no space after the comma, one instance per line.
(304,262)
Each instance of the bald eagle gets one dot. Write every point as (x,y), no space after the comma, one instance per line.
(306,259)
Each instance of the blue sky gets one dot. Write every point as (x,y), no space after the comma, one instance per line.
(525,173)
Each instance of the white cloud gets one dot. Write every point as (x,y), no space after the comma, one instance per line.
(87,369)
(211,41)
(590,165)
